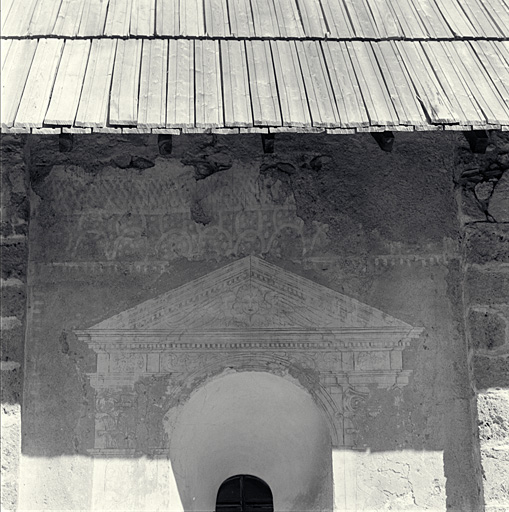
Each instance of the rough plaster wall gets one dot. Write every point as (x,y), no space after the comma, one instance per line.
(483,195)
(13,232)
(379,227)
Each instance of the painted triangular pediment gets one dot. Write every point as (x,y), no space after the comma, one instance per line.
(250,294)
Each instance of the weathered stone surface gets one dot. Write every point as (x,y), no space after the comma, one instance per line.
(487,292)
(493,411)
(487,286)
(495,464)
(499,201)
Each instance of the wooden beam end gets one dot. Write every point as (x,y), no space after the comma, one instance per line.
(384,139)
(165,143)
(478,140)
(65,142)
(268,142)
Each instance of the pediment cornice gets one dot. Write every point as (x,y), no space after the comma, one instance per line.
(381,338)
(251,298)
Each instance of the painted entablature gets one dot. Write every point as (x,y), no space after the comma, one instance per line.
(249,315)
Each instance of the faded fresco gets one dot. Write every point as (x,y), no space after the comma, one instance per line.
(247,315)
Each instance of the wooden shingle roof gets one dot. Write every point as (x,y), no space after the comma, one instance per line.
(230,66)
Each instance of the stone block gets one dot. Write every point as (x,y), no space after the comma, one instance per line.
(487,243)
(5,228)
(491,372)
(17,179)
(10,448)
(493,414)
(12,148)
(487,287)
(471,208)
(12,385)
(13,300)
(495,463)
(11,342)
(14,258)
(484,190)
(487,329)
(499,202)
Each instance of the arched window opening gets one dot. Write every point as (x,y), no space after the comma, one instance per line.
(244,493)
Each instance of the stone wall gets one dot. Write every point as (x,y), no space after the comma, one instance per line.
(14,256)
(483,188)
(115,226)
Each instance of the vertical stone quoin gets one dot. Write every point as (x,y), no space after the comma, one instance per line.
(13,246)
(483,197)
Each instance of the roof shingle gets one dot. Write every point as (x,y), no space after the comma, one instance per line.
(254,65)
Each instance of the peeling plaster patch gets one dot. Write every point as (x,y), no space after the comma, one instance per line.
(12,281)
(9,365)
(10,322)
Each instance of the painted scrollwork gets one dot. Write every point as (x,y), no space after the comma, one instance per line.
(127,363)
(131,418)
(174,244)
(114,422)
(355,399)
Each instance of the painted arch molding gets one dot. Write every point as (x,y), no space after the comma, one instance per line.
(249,315)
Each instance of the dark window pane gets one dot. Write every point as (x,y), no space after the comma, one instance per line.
(256,491)
(229,492)
(244,493)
